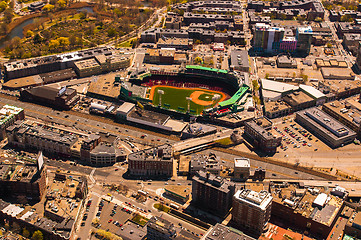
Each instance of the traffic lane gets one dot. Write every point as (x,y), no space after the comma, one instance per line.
(283,172)
(84,231)
(67,118)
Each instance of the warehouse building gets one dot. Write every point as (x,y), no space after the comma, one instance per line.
(329,130)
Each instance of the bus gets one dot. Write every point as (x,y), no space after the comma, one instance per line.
(172,205)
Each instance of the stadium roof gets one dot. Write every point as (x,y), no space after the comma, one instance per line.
(240,93)
(276,86)
(206,68)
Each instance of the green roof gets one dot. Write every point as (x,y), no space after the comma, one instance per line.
(206,68)
(235,97)
(7,112)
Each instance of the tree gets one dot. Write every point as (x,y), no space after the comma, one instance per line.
(304,78)
(255,85)
(48,7)
(37,235)
(8,15)
(329,45)
(267,75)
(26,233)
(318,19)
(29,33)
(37,38)
(53,45)
(61,4)
(72,40)
(3,6)
(3,28)
(63,41)
(198,60)
(112,32)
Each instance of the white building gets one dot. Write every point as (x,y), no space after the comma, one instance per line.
(252,210)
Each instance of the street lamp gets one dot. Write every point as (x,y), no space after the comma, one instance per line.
(189,99)
(160,92)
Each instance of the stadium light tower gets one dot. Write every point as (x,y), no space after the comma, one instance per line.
(215,98)
(160,92)
(189,99)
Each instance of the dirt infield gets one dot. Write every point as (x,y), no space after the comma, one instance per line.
(195,98)
(175,98)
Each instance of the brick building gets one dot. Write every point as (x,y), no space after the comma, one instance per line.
(152,162)
(212,193)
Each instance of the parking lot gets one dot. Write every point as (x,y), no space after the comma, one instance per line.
(297,138)
(112,216)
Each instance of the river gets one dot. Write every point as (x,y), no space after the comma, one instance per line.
(18,30)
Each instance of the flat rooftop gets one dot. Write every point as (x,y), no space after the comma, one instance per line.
(7,112)
(258,199)
(301,199)
(104,86)
(327,121)
(221,232)
(23,82)
(213,181)
(296,98)
(149,116)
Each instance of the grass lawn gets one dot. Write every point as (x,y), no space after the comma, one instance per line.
(139,220)
(126,44)
(161,207)
(175,98)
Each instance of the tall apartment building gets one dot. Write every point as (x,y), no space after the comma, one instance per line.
(156,161)
(212,193)
(304,40)
(8,115)
(252,210)
(267,38)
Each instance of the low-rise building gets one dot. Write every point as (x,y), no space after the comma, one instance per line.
(252,210)
(178,192)
(310,209)
(159,228)
(239,60)
(28,134)
(222,232)
(348,113)
(8,116)
(325,127)
(266,140)
(299,100)
(353,225)
(23,180)
(275,109)
(87,67)
(285,61)
(241,169)
(206,163)
(212,193)
(177,43)
(63,98)
(152,162)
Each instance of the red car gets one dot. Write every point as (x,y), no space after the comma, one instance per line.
(110,220)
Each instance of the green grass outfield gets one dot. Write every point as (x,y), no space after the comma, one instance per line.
(175,98)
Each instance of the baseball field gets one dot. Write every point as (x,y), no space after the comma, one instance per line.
(176,98)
